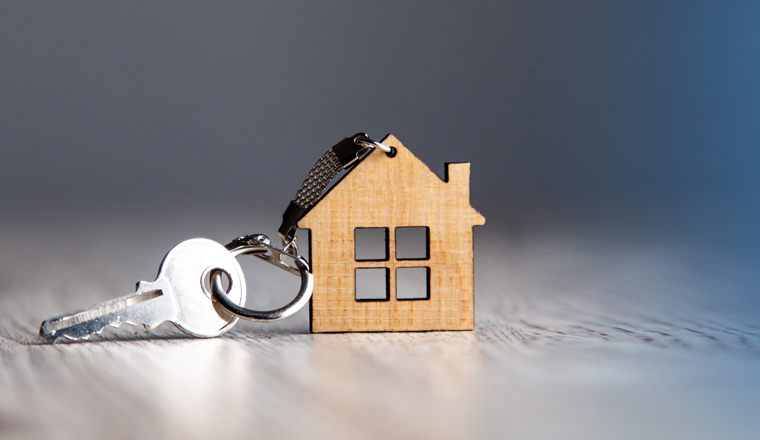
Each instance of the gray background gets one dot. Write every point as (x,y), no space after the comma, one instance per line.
(614,150)
(624,115)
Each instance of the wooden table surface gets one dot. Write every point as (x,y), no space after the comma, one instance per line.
(577,335)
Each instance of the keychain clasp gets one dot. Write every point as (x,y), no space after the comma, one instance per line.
(345,155)
(259,246)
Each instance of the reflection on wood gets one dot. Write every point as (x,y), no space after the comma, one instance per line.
(575,337)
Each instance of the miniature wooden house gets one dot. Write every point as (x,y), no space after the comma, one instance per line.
(391,194)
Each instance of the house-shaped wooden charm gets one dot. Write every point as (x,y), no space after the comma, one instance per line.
(392,194)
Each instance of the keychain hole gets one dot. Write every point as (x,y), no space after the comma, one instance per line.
(206,281)
(392,153)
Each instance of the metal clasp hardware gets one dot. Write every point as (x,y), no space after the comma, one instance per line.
(364,140)
(344,155)
(259,246)
(350,149)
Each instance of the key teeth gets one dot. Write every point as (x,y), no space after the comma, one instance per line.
(55,338)
(78,338)
(81,324)
(136,324)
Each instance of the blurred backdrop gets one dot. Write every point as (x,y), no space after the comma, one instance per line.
(615,148)
(622,116)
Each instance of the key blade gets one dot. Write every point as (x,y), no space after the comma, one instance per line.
(86,322)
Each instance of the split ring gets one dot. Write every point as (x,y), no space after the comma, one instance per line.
(369,143)
(259,246)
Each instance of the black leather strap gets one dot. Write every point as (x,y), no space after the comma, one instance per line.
(342,156)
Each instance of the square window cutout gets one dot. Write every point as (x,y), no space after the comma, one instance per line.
(371,244)
(413,243)
(372,284)
(412,283)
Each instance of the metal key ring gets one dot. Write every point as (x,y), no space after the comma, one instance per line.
(258,245)
(369,143)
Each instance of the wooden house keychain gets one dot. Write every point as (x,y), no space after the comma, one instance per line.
(385,189)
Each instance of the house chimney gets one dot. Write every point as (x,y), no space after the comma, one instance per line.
(458,178)
(458,183)
(458,173)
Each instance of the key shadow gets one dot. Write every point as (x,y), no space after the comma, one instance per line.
(164,332)
(35,339)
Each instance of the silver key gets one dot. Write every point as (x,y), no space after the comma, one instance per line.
(178,295)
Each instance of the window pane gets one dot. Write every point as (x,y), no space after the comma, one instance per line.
(412,283)
(372,284)
(371,244)
(413,243)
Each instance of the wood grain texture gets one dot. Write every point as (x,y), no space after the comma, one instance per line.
(384,192)
(579,334)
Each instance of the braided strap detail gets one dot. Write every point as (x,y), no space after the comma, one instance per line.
(327,167)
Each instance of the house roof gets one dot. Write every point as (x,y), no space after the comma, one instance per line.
(404,180)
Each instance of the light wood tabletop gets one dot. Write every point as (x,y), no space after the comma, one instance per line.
(578,334)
